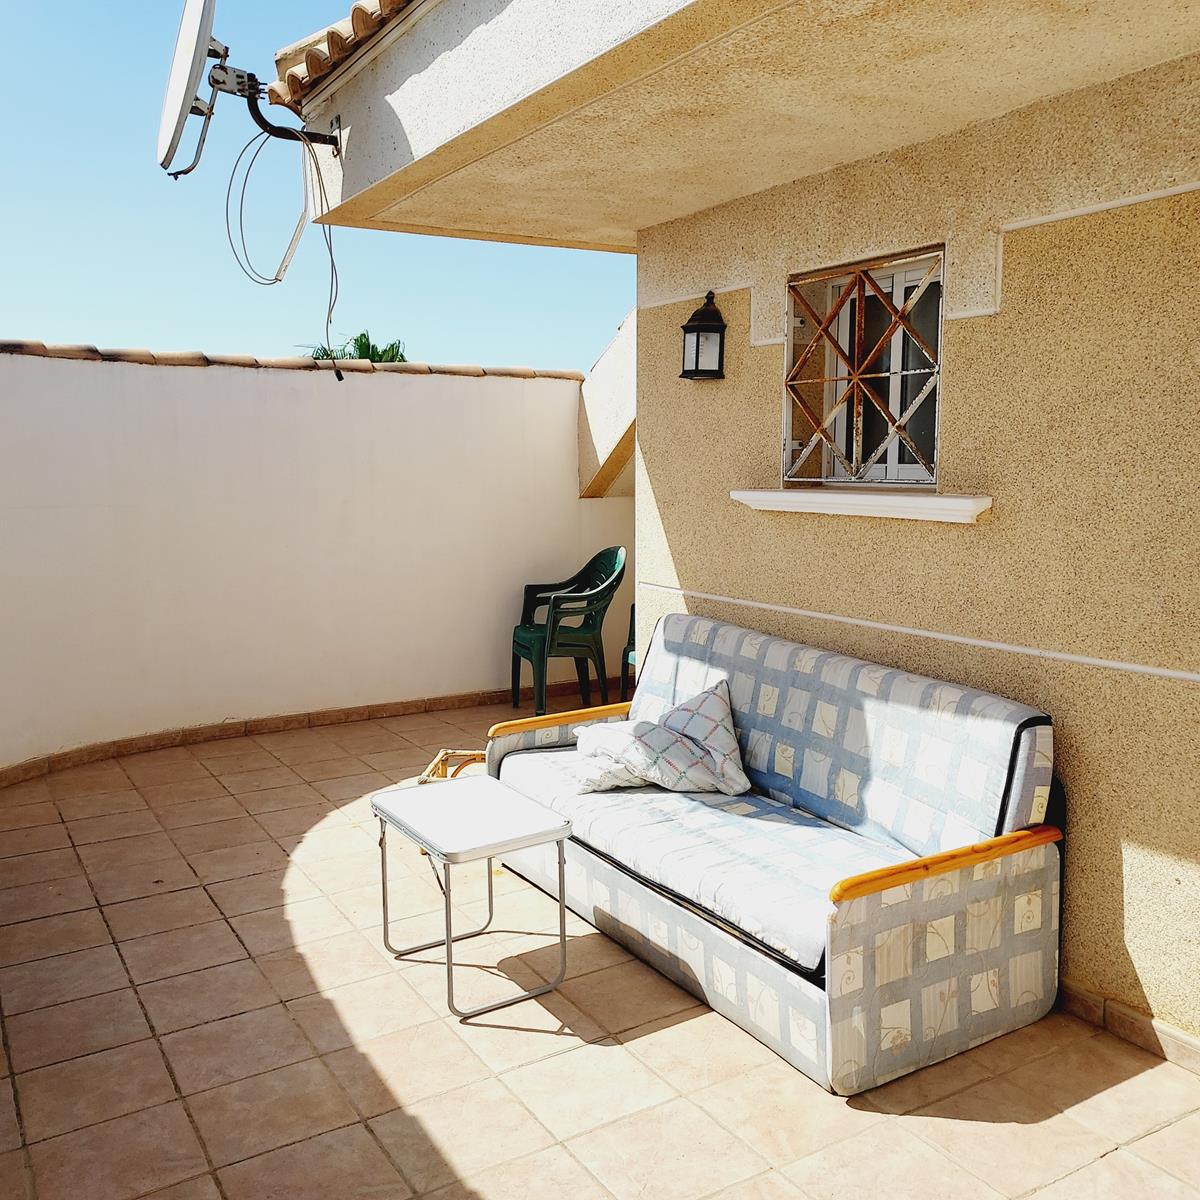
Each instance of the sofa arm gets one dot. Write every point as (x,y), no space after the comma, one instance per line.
(931,957)
(552,729)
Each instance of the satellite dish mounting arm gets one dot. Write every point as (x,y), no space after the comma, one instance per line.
(229,79)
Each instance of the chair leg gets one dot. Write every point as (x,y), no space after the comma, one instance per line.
(516,681)
(601,672)
(624,680)
(539,664)
(585,687)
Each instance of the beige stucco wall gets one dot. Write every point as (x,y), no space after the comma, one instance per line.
(1075,407)
(607,412)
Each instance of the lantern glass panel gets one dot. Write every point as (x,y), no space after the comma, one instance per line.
(689,351)
(709,355)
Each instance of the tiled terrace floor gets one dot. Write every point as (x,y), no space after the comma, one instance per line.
(196,1004)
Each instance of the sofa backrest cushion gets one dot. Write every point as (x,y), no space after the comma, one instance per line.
(920,763)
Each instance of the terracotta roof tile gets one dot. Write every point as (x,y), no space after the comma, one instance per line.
(194,358)
(304,64)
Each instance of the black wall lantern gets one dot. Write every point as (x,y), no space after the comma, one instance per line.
(704,343)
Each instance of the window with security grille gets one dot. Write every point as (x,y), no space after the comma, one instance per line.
(863,354)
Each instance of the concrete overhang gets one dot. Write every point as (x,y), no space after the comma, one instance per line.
(580,124)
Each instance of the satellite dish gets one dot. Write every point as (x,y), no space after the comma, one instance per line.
(181,100)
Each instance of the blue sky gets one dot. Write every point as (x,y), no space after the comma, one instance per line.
(100,246)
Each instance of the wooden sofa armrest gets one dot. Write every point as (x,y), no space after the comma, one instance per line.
(549,720)
(870,882)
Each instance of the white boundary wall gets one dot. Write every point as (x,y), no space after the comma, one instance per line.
(183,545)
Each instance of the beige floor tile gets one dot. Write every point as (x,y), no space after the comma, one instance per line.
(223,748)
(654,1153)
(412,722)
(696,1048)
(1014,1050)
(103,805)
(264,1112)
(24,816)
(1176,1149)
(328,843)
(286,740)
(254,893)
(314,751)
(202,1188)
(278,799)
(127,852)
(525,910)
(221,1052)
(296,822)
(37,868)
(1111,1087)
(33,840)
(358,1012)
(427,1137)
(164,754)
(293,924)
(352,786)
(119,1159)
(238,764)
(155,774)
(86,1091)
(346,1164)
(374,741)
(87,781)
(144,879)
(114,825)
(63,1031)
(475,983)
(31,901)
(586,952)
(815,1119)
(1119,1176)
(218,835)
(411,757)
(405,1067)
(326,964)
(927,1085)
(1006,1136)
(587,1087)
(237,862)
(771,1185)
(16,1183)
(885,1160)
(181,950)
(208,995)
(10,1132)
(200,812)
(57,980)
(627,995)
(550,1174)
(32,791)
(50,936)
(167,795)
(408,896)
(525,1032)
(331,768)
(259,781)
(158,914)
(352,872)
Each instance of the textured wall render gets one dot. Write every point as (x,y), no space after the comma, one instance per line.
(1074,408)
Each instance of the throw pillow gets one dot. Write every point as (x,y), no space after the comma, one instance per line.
(691,748)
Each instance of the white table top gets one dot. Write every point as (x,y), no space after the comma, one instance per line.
(470,818)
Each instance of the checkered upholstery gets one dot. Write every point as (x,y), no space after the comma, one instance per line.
(919,763)
(758,864)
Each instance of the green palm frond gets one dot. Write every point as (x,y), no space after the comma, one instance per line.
(361,346)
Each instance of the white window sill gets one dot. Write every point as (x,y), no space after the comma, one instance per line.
(908,504)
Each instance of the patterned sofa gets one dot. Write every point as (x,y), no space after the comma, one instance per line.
(885,897)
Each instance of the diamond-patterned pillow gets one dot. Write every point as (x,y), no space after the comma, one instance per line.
(691,748)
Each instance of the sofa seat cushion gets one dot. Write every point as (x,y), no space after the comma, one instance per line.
(760,865)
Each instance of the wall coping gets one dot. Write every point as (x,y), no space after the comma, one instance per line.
(195,358)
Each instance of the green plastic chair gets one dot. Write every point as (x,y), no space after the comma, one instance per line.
(629,655)
(572,628)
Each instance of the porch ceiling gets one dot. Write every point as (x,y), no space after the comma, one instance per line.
(713,103)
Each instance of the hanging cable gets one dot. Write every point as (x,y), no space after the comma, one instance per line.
(240,248)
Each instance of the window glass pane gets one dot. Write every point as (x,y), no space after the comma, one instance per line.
(922,426)
(875,323)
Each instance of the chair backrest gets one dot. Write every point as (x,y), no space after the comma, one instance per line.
(917,762)
(597,581)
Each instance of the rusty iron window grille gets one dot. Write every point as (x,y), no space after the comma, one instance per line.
(864,367)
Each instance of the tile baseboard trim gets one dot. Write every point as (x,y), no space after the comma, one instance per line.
(35,768)
(1130,1025)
